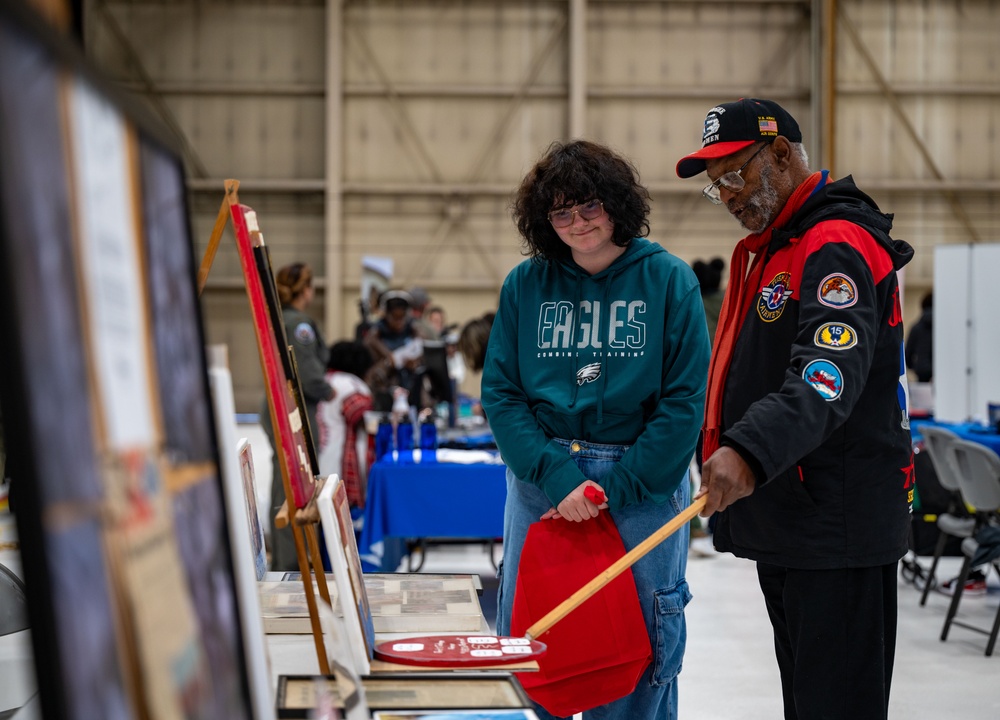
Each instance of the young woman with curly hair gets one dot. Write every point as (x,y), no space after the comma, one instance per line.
(595,376)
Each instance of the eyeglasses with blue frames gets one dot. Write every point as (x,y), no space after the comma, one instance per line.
(590,210)
(733,181)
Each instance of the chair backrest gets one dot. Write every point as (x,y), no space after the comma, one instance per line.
(979,475)
(938,442)
(13,603)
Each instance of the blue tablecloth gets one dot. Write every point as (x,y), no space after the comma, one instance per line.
(440,500)
(974,432)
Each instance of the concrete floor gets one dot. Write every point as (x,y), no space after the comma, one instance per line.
(729,668)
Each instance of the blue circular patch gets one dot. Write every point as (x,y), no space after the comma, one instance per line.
(825,378)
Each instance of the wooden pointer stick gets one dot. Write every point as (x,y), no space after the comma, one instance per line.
(621,565)
(481,650)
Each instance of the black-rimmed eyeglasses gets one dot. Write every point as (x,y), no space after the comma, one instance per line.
(733,181)
(590,210)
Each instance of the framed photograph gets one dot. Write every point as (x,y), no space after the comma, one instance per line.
(109,421)
(257,546)
(394,692)
(342,548)
(410,603)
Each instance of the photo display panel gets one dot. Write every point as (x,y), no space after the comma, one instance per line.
(106,403)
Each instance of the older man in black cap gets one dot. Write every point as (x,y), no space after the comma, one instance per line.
(806,438)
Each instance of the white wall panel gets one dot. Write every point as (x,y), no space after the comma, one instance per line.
(966,342)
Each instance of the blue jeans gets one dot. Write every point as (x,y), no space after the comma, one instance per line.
(659,579)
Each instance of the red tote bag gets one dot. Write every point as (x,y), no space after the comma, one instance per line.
(597,653)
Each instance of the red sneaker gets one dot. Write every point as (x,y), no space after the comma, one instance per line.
(974,585)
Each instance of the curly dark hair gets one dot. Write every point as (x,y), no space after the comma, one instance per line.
(573,173)
(351,357)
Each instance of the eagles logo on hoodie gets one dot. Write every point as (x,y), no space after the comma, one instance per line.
(588,373)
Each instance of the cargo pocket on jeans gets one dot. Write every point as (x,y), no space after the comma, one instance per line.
(671,632)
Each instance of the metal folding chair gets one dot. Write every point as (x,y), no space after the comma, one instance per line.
(979,482)
(13,603)
(937,442)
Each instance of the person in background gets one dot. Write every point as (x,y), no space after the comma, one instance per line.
(920,342)
(295,293)
(709,276)
(390,342)
(595,377)
(420,300)
(806,437)
(342,445)
(473,339)
(436,319)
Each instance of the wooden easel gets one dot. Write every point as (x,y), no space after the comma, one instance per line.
(269,329)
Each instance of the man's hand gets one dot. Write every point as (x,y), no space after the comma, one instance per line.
(725,478)
(575,507)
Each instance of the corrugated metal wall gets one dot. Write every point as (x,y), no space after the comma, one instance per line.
(439,107)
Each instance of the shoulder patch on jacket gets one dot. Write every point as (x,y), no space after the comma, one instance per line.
(836,336)
(837,291)
(825,378)
(304,333)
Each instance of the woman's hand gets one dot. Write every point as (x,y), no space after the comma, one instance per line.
(575,507)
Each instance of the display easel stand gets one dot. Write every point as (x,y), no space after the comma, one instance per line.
(306,518)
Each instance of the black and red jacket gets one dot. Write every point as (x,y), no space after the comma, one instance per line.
(815,397)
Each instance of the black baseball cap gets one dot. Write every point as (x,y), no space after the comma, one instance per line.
(730,127)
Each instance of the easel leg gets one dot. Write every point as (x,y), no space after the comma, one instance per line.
(220,224)
(317,562)
(317,630)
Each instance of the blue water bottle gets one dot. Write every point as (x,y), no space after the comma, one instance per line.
(404,441)
(383,440)
(428,441)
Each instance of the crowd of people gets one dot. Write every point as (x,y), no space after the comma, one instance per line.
(343,382)
(610,364)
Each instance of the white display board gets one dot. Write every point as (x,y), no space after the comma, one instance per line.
(966,331)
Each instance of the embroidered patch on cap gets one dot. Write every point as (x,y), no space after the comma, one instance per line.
(767,125)
(825,377)
(836,336)
(837,291)
(304,333)
(773,296)
(712,125)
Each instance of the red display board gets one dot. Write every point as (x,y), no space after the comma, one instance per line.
(287,414)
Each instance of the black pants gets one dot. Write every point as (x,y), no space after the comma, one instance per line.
(834,638)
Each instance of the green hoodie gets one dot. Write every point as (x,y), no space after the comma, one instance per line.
(629,368)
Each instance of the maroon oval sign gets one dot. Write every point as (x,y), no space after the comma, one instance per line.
(464,650)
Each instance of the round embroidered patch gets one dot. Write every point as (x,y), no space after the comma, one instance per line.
(836,336)
(837,291)
(304,333)
(773,297)
(825,377)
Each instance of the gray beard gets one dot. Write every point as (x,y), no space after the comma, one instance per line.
(762,207)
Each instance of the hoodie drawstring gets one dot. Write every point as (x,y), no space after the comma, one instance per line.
(603,380)
(574,354)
